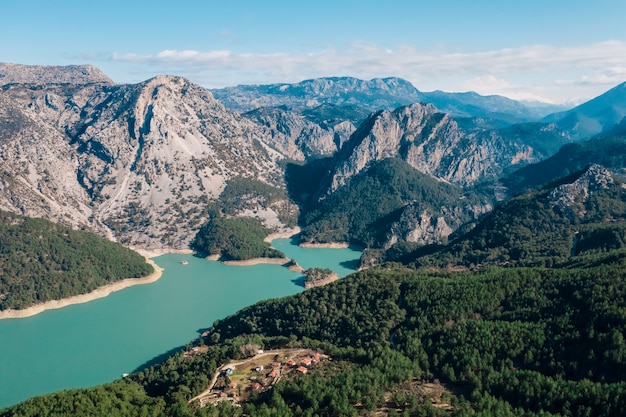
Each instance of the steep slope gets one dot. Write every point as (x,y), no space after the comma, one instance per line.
(144,159)
(583,214)
(608,151)
(39,74)
(389,202)
(432,143)
(297,137)
(594,116)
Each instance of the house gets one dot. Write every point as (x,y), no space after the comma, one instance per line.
(301,369)
(276,364)
(305,362)
(290,362)
(273,373)
(256,386)
(229,370)
(232,385)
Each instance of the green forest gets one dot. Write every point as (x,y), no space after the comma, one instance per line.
(362,211)
(501,341)
(42,261)
(235,238)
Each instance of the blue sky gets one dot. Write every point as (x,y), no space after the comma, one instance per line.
(550,50)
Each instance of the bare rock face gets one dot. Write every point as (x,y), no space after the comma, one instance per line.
(138,163)
(39,74)
(298,138)
(569,199)
(432,143)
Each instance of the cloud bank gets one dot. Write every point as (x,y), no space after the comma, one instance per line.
(539,72)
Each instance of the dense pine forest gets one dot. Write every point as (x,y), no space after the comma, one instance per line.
(499,341)
(65,262)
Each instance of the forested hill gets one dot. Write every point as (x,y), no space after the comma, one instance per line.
(42,261)
(496,342)
(564,223)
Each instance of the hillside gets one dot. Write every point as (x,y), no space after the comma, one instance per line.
(593,117)
(608,151)
(136,163)
(388,202)
(561,224)
(42,261)
(500,341)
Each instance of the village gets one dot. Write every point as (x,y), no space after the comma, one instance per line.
(237,381)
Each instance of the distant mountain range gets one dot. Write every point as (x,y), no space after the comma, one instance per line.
(376,94)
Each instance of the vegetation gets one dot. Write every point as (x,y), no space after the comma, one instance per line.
(363,211)
(608,151)
(504,341)
(42,261)
(532,229)
(536,329)
(236,238)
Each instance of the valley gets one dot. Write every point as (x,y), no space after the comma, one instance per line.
(491,237)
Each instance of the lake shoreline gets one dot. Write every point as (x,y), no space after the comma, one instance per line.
(99,292)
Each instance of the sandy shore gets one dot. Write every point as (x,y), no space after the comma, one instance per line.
(84,298)
(331,245)
(282,235)
(257,261)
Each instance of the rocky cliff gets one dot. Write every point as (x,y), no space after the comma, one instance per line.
(432,143)
(135,162)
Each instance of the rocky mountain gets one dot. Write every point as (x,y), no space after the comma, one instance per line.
(594,116)
(299,138)
(609,151)
(376,94)
(555,226)
(432,142)
(39,74)
(388,202)
(135,162)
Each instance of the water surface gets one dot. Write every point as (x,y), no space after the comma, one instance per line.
(96,342)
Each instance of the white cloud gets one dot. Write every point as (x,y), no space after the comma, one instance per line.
(536,72)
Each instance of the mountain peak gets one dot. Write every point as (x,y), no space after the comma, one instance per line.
(570,198)
(43,74)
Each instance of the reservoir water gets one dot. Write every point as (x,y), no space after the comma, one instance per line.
(94,343)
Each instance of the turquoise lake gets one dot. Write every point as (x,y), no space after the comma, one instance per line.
(93,343)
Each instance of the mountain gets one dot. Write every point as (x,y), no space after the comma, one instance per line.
(432,142)
(297,137)
(39,74)
(608,151)
(387,202)
(138,163)
(373,95)
(580,215)
(594,116)
(471,104)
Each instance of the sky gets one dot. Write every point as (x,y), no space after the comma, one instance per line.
(557,51)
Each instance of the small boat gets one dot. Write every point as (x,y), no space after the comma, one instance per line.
(184,262)
(124,375)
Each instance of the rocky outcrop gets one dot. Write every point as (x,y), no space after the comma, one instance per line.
(138,163)
(295,136)
(432,143)
(569,199)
